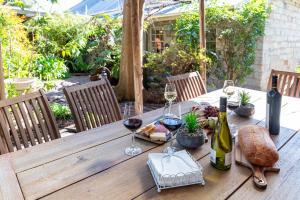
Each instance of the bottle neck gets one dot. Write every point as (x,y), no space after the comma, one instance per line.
(222,115)
(274,82)
(274,86)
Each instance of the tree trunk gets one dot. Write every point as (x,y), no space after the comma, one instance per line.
(130,85)
(202,37)
(2,85)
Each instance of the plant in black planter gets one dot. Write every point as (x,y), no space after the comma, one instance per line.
(190,135)
(245,109)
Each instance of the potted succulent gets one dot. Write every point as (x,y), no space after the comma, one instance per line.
(190,135)
(245,109)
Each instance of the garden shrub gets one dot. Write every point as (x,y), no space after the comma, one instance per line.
(60,111)
(84,43)
(50,68)
(177,59)
(17,52)
(237,31)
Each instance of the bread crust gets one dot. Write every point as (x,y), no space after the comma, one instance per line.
(257,146)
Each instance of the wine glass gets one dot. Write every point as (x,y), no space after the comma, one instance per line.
(132,123)
(172,121)
(232,103)
(170,93)
(228,88)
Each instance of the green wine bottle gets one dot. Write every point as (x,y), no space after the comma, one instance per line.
(221,141)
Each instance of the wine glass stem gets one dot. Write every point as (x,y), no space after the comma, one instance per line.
(170,149)
(133,140)
(170,105)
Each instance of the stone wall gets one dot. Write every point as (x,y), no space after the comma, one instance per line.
(280,47)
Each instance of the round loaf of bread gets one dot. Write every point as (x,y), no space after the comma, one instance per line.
(257,146)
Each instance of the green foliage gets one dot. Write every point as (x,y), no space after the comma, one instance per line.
(61,111)
(50,68)
(187,30)
(237,30)
(191,122)
(298,69)
(17,52)
(11,90)
(244,97)
(83,43)
(48,85)
(176,59)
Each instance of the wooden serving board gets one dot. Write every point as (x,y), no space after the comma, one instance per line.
(143,137)
(258,172)
(148,139)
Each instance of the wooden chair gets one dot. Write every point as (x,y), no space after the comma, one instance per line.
(93,104)
(26,121)
(188,86)
(288,83)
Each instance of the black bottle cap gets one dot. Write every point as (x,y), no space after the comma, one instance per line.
(274,81)
(223,104)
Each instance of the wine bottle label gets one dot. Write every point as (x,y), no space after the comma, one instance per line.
(213,156)
(267,116)
(228,159)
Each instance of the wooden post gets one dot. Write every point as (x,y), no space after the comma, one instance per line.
(130,85)
(137,47)
(2,85)
(202,36)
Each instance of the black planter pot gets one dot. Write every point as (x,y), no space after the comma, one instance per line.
(188,140)
(245,110)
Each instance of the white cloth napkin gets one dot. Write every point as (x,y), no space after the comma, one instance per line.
(179,169)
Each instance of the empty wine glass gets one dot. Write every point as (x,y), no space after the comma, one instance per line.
(172,121)
(232,104)
(132,123)
(228,88)
(170,93)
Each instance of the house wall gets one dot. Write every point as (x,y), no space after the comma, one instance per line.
(280,47)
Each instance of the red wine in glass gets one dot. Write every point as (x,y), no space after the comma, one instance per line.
(133,123)
(172,124)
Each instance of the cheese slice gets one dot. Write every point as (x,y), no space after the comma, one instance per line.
(158,136)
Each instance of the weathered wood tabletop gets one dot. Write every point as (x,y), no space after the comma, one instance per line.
(92,164)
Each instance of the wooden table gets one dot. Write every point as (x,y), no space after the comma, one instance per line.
(92,164)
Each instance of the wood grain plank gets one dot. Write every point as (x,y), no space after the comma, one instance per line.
(89,184)
(12,127)
(56,149)
(284,185)
(34,122)
(80,124)
(50,177)
(40,120)
(51,130)
(84,110)
(27,123)
(93,184)
(5,134)
(9,186)
(89,111)
(21,129)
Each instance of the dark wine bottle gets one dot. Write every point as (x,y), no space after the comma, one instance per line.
(273,108)
(221,141)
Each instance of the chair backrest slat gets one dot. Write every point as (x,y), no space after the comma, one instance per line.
(34,121)
(26,121)
(12,128)
(288,83)
(93,104)
(188,86)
